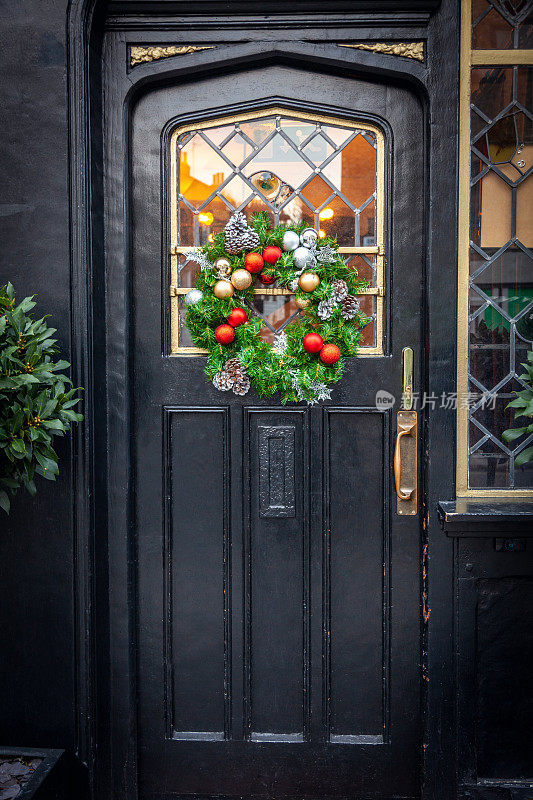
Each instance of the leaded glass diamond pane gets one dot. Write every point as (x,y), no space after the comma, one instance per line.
(298,170)
(317,150)
(312,161)
(237,149)
(502,24)
(368,305)
(236,191)
(276,311)
(501,261)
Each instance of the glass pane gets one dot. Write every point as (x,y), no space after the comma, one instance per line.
(502,24)
(187,271)
(489,345)
(275,310)
(201,171)
(491,203)
(524,211)
(479,7)
(492,33)
(357,165)
(494,415)
(523,476)
(507,281)
(183,331)
(492,89)
(502,188)
(501,231)
(367,303)
(321,174)
(365,266)
(489,471)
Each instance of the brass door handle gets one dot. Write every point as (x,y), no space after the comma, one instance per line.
(406,426)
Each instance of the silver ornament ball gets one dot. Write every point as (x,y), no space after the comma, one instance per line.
(309,238)
(291,241)
(303,258)
(193,297)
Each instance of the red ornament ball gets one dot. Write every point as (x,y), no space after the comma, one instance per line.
(237,317)
(313,342)
(266,279)
(224,334)
(271,254)
(330,354)
(254,262)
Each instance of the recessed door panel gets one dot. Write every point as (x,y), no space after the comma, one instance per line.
(357,573)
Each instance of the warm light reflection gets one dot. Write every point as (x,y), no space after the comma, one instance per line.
(321,234)
(262,168)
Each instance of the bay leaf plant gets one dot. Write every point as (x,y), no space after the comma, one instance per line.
(523,403)
(36,397)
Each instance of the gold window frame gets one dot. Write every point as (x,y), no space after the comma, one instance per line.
(471,58)
(378,250)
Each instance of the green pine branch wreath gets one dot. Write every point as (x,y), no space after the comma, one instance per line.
(238,358)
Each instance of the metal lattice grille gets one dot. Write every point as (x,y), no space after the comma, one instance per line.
(321,171)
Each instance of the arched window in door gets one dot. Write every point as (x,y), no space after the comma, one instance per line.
(295,166)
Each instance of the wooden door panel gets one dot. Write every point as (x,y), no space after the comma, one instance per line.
(276,563)
(355,574)
(197,642)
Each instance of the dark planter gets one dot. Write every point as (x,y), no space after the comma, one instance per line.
(51,776)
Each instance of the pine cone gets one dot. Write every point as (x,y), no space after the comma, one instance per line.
(238,235)
(340,290)
(241,385)
(235,369)
(325,309)
(349,307)
(223,381)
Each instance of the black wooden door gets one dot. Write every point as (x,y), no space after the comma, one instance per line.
(279,639)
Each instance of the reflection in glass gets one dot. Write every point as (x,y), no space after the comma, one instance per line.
(501,261)
(502,24)
(313,172)
(276,311)
(290,167)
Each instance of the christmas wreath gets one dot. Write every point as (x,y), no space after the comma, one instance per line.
(309,353)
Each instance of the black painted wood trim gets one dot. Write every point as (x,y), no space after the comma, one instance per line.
(478,518)
(78,27)
(222,7)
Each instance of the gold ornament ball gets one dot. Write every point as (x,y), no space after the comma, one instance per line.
(223,266)
(241,279)
(308,281)
(302,302)
(223,290)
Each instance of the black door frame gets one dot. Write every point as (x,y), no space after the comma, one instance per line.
(105,647)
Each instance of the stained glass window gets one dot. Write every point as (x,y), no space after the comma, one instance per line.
(502,24)
(325,172)
(500,248)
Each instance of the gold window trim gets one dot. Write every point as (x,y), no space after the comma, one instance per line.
(378,250)
(470,58)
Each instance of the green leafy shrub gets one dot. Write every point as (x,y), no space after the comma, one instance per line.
(524,404)
(35,401)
